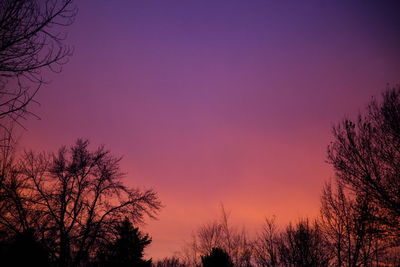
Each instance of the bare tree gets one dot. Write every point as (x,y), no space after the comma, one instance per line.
(29,43)
(366,156)
(73,199)
(351,228)
(303,245)
(170,262)
(266,245)
(336,222)
(219,234)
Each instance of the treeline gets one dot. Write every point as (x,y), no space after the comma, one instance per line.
(359,221)
(71,208)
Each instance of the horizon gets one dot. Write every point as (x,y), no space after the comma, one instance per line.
(218,102)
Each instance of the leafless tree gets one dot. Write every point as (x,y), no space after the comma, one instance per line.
(366,156)
(29,43)
(336,221)
(303,245)
(219,234)
(266,245)
(73,199)
(351,228)
(170,262)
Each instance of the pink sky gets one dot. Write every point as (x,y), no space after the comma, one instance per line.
(215,102)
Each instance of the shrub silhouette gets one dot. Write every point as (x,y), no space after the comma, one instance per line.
(217,258)
(24,250)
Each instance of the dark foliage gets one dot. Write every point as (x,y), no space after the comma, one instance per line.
(127,249)
(217,258)
(24,250)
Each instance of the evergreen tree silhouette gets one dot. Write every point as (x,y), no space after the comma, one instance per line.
(127,249)
(217,258)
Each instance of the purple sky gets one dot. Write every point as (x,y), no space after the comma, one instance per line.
(218,101)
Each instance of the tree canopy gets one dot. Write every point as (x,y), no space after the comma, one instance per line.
(365,154)
(30,42)
(72,199)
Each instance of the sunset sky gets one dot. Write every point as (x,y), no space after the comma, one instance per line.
(214,102)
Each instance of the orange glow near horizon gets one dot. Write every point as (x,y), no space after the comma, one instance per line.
(212,102)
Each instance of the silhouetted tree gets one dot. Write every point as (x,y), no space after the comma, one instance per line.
(266,252)
(127,249)
(24,249)
(303,245)
(220,234)
(170,262)
(217,258)
(28,44)
(73,199)
(365,154)
(7,147)
(350,227)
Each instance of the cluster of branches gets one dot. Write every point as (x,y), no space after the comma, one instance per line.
(350,223)
(29,43)
(366,157)
(71,201)
(302,244)
(342,236)
(218,234)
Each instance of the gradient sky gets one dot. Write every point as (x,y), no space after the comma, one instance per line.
(215,102)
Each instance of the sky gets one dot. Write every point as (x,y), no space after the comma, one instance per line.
(212,102)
